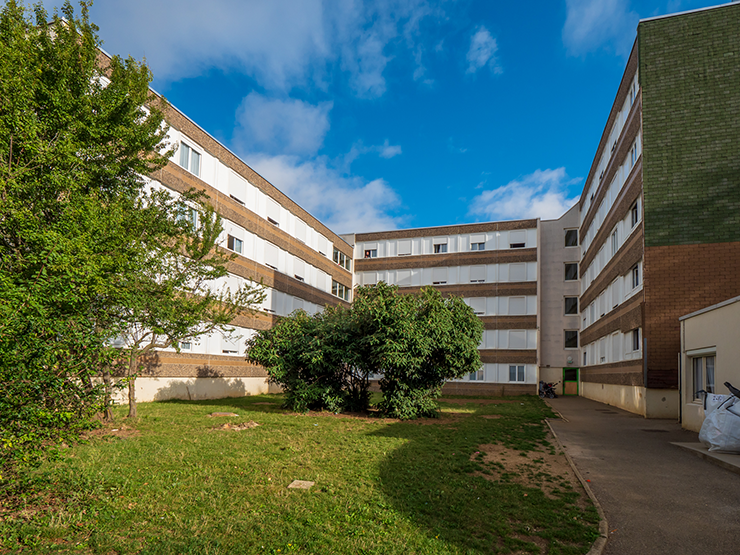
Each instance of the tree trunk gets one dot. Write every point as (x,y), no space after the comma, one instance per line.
(107,412)
(132,387)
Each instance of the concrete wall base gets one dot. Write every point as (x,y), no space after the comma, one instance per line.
(163,389)
(650,403)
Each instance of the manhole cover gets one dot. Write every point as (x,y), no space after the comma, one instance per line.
(660,431)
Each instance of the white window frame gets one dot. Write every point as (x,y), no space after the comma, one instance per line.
(520,373)
(188,157)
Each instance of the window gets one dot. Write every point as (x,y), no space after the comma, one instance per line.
(478,376)
(273,212)
(571,237)
(478,304)
(404,247)
(439,276)
(636,339)
(371,253)
(189,159)
(477,246)
(615,242)
(516,373)
(517,239)
(477,274)
(234,244)
(635,276)
(633,155)
(343,260)
(299,269)
(229,345)
(440,248)
(517,306)
(185,345)
(634,215)
(339,290)
(571,339)
(517,272)
(585,358)
(571,271)
(703,371)
(571,305)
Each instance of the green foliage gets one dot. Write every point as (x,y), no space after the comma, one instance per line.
(416,342)
(87,251)
(307,356)
(71,154)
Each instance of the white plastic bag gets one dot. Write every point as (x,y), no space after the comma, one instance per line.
(720,432)
(712,401)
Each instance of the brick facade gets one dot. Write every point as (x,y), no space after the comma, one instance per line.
(690,81)
(679,280)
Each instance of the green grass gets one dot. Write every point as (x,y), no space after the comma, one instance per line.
(178,486)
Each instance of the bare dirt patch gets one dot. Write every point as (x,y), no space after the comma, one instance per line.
(547,469)
(477,401)
(238,427)
(109,431)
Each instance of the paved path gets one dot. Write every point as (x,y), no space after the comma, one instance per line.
(657,497)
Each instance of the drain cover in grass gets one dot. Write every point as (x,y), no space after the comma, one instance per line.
(223,414)
(300,484)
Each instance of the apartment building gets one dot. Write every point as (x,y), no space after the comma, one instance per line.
(493,267)
(591,300)
(660,208)
(302,264)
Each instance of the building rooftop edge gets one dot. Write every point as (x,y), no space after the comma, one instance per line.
(191,120)
(710,308)
(446,225)
(690,11)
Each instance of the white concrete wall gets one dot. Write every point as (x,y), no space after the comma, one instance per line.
(163,389)
(650,403)
(714,331)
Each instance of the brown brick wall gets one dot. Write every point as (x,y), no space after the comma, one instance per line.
(504,289)
(681,279)
(193,365)
(508,356)
(442,260)
(446,230)
(488,389)
(627,372)
(509,322)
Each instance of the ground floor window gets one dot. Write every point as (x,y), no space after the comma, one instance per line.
(516,373)
(703,372)
(478,376)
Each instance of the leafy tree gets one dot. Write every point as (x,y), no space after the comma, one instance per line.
(173,297)
(81,234)
(416,342)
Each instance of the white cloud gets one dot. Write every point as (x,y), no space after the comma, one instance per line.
(542,194)
(281,126)
(280,43)
(594,24)
(482,52)
(344,203)
(388,151)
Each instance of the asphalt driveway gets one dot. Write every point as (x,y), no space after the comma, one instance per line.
(657,497)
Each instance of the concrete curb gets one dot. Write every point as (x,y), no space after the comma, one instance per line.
(598,547)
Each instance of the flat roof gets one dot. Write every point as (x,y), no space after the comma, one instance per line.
(710,308)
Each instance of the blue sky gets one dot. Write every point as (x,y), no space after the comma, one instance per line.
(395,113)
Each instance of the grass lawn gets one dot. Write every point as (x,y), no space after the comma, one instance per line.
(173,482)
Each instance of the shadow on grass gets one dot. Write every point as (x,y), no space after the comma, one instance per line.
(436,481)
